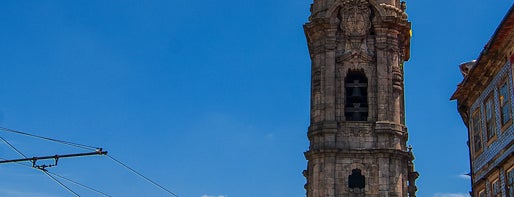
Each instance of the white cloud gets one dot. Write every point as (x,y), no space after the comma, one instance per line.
(15,193)
(451,195)
(205,195)
(463,176)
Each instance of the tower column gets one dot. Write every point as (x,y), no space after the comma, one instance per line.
(330,66)
(383,77)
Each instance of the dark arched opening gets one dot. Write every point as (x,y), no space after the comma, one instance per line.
(356,179)
(356,86)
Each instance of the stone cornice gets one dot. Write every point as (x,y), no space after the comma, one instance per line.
(323,152)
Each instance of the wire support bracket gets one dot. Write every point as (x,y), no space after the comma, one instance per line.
(56,158)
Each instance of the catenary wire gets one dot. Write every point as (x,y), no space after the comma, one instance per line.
(80,184)
(12,147)
(50,173)
(50,139)
(141,175)
(67,179)
(60,183)
(88,148)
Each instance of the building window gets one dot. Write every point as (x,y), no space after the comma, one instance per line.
(510,183)
(356,102)
(476,132)
(356,180)
(481,193)
(490,125)
(496,188)
(505,107)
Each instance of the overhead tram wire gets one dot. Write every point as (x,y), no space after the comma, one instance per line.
(80,184)
(97,151)
(43,170)
(60,183)
(49,174)
(12,147)
(141,175)
(87,147)
(67,179)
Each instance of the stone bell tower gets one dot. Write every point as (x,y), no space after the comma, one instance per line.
(357,129)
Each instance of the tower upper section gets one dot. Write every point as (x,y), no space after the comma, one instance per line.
(320,8)
(367,38)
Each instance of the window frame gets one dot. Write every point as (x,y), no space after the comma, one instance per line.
(481,193)
(502,104)
(496,188)
(476,119)
(508,184)
(490,122)
(480,190)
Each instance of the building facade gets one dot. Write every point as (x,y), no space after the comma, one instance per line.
(357,133)
(484,101)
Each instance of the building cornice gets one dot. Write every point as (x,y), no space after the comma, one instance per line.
(488,63)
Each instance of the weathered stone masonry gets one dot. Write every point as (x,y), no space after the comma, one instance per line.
(357,132)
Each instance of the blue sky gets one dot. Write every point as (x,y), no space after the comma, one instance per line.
(208,98)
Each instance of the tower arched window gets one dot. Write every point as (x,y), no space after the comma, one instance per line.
(356,98)
(356,179)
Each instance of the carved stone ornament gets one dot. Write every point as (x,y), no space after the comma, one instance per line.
(355,24)
(397,79)
(355,18)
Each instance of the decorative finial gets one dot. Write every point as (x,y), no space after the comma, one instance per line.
(403,6)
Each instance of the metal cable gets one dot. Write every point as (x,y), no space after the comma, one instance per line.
(62,177)
(83,147)
(14,148)
(50,139)
(80,184)
(142,176)
(61,184)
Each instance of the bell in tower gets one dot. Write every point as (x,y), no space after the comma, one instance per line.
(356,108)
(357,132)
